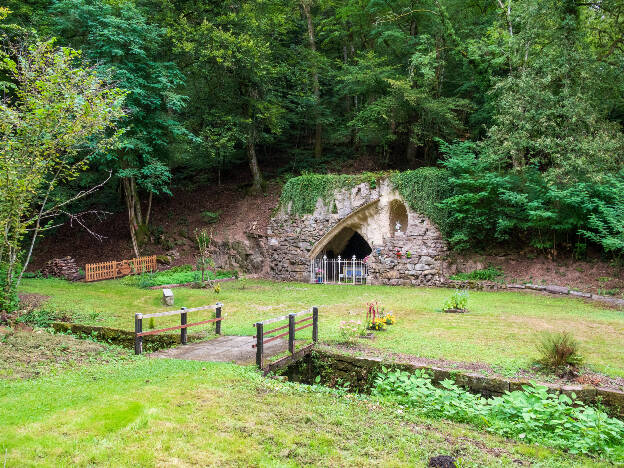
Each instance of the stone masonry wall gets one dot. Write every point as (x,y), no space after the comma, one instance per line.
(422,248)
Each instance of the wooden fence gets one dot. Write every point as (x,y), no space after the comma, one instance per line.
(262,338)
(114,269)
(138,324)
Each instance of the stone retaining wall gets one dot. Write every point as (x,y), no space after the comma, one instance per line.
(337,368)
(124,338)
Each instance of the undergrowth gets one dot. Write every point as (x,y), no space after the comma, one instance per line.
(486,274)
(532,415)
(181,275)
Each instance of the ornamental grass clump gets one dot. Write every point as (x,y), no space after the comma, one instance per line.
(533,414)
(559,353)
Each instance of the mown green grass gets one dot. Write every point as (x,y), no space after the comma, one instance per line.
(157,412)
(501,328)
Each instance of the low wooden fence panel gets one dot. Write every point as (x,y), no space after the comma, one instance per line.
(262,337)
(117,269)
(184,325)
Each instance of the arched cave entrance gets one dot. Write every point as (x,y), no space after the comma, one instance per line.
(347,243)
(398,214)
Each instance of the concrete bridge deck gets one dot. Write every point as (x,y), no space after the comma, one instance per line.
(235,349)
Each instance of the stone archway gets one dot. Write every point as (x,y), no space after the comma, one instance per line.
(346,243)
(338,237)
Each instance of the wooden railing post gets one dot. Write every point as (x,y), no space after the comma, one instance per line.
(259,340)
(315,324)
(291,333)
(218,316)
(138,328)
(183,331)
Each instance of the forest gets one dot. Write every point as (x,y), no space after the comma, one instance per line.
(517,103)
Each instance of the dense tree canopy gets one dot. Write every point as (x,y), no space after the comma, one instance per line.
(530,91)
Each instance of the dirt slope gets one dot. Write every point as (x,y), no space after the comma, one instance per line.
(174,220)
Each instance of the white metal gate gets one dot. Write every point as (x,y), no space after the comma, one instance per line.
(338,270)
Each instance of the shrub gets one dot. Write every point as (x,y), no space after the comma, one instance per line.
(41,318)
(486,274)
(606,223)
(559,352)
(458,300)
(211,217)
(349,330)
(9,299)
(533,414)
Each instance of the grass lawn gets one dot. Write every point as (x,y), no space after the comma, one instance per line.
(157,412)
(501,328)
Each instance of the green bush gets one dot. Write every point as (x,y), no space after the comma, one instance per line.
(458,300)
(486,274)
(559,352)
(532,415)
(490,203)
(211,217)
(9,299)
(606,223)
(176,275)
(41,318)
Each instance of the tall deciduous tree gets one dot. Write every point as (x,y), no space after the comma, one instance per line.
(118,38)
(240,54)
(56,116)
(551,110)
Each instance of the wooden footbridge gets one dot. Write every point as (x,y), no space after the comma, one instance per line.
(242,350)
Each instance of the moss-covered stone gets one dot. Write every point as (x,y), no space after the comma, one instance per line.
(360,373)
(119,337)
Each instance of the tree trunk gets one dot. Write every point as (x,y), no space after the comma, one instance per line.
(410,154)
(252,138)
(133,217)
(256,186)
(318,132)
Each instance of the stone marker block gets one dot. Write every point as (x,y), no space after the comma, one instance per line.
(167,298)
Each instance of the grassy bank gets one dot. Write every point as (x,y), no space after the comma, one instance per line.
(501,328)
(164,412)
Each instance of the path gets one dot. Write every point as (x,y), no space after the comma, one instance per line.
(235,349)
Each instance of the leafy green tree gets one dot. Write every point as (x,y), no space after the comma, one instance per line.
(551,110)
(239,53)
(606,223)
(56,117)
(119,39)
